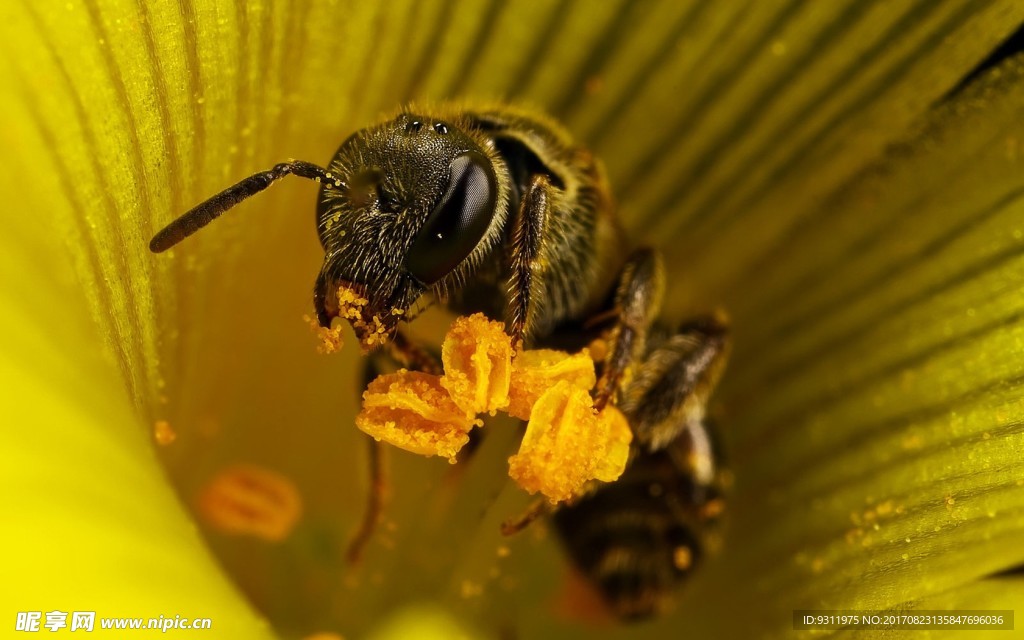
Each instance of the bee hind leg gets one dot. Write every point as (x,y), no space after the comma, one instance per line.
(668,393)
(638,538)
(375,499)
(537,509)
(636,305)
(406,353)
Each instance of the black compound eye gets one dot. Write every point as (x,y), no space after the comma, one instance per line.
(459,221)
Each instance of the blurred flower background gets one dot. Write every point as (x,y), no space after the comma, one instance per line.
(844,178)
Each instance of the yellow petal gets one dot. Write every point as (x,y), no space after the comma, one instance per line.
(91,522)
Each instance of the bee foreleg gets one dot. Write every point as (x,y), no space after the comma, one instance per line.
(668,392)
(525,247)
(637,301)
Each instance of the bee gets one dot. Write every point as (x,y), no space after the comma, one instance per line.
(496,210)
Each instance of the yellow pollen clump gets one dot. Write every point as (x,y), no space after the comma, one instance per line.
(566,444)
(616,435)
(477,358)
(598,348)
(413,412)
(350,303)
(537,370)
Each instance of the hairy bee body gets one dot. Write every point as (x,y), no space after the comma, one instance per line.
(577,262)
(495,209)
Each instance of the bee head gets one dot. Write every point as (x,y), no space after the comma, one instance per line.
(408,206)
(422,203)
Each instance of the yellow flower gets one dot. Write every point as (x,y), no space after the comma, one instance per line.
(820,170)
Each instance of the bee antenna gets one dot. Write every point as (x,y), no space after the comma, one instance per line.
(211,209)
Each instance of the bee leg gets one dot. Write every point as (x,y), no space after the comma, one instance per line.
(412,356)
(408,354)
(637,301)
(537,509)
(470,449)
(377,492)
(374,503)
(525,247)
(668,393)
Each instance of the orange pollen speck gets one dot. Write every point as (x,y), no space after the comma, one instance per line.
(163,433)
(682,558)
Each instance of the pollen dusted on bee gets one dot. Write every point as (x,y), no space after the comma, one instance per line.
(566,444)
(329,337)
(350,308)
(682,558)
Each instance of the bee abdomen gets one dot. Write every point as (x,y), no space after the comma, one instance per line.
(635,538)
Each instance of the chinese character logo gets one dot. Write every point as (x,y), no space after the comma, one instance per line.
(83,620)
